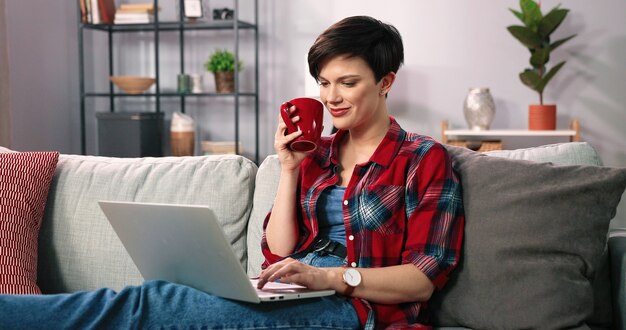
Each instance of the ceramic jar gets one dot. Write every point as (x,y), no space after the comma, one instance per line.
(479,108)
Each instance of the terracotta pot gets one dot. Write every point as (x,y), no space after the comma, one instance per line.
(542,117)
(225,81)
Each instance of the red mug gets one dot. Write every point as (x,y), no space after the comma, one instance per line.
(311,112)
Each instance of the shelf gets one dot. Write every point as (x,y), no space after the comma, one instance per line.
(506,132)
(156,94)
(172,94)
(169,26)
(573,133)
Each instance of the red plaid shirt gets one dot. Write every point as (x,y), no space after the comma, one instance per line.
(403,206)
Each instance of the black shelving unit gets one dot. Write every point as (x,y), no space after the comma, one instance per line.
(236,25)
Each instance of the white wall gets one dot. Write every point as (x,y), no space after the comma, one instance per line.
(5,118)
(453,45)
(43,74)
(450,46)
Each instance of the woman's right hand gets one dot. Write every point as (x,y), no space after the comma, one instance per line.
(289,160)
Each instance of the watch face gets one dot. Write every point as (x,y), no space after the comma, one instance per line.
(352,277)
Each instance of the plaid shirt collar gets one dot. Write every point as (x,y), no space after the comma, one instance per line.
(383,155)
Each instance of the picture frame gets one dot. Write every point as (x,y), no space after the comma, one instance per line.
(192,8)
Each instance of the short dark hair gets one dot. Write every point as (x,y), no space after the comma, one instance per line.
(377,43)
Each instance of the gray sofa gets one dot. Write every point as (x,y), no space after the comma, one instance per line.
(80,251)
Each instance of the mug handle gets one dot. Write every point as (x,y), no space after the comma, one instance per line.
(284,112)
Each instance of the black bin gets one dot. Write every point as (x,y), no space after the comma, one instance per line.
(130,134)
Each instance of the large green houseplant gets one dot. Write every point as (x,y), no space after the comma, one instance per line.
(222,64)
(535,34)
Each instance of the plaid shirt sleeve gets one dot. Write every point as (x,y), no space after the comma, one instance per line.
(434,208)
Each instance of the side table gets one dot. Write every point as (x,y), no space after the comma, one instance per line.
(485,140)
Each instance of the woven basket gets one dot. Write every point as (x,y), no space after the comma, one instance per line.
(480,146)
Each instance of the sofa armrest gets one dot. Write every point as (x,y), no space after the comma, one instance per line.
(617,251)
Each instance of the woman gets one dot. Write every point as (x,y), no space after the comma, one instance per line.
(374,213)
(390,196)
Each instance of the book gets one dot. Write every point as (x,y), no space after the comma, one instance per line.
(132,18)
(137,6)
(107,11)
(132,15)
(83,11)
(137,10)
(95,12)
(88,10)
(132,21)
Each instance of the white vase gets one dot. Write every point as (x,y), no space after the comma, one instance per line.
(479,109)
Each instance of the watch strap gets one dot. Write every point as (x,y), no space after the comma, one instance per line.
(348,292)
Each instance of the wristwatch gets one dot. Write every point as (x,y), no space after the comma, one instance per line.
(352,278)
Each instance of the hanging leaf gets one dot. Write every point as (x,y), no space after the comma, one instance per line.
(532,14)
(540,57)
(527,37)
(518,14)
(548,76)
(551,21)
(531,79)
(558,43)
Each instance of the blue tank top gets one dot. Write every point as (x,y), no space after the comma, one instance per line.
(330,214)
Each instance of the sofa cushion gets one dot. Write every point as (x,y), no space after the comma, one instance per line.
(78,248)
(265,189)
(24,183)
(617,244)
(575,153)
(535,240)
(572,153)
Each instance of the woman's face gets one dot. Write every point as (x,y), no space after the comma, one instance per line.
(350,93)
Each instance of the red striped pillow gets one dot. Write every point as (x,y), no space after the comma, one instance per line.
(25,178)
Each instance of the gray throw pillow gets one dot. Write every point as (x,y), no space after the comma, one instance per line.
(535,239)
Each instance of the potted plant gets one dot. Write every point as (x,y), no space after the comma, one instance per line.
(222,64)
(534,34)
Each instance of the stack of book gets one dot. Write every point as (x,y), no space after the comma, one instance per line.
(97,11)
(134,13)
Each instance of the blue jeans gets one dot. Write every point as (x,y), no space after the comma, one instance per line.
(163,305)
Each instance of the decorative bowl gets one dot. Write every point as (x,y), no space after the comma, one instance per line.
(132,84)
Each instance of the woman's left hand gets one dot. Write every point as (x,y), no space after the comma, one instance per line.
(295,272)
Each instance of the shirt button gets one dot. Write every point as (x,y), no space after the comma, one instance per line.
(351,237)
(353,264)
(345,202)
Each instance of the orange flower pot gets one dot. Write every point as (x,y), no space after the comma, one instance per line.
(542,117)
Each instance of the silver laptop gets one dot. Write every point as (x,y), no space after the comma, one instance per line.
(185,244)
